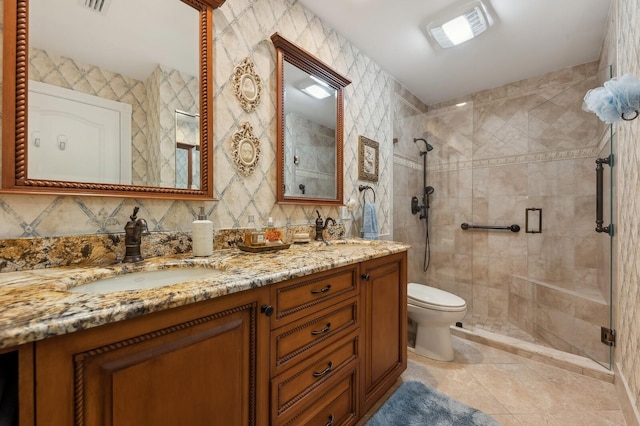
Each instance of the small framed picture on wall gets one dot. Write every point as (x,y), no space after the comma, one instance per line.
(368,159)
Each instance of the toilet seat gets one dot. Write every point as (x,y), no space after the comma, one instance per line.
(434,298)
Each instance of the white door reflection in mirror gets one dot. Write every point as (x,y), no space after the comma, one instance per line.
(78,137)
(143,53)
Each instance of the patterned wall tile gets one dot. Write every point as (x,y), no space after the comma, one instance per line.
(242,28)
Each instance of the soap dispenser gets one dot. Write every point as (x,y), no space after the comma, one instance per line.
(202,235)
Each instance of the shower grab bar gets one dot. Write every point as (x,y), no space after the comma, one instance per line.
(512,228)
(364,188)
(599,195)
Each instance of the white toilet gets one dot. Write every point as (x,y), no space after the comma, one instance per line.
(434,310)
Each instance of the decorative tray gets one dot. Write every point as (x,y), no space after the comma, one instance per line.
(266,247)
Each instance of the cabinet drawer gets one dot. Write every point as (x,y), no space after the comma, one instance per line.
(295,299)
(292,343)
(293,388)
(332,405)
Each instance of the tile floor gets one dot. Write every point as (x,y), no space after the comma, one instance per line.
(516,390)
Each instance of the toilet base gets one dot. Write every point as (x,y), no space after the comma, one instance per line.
(434,342)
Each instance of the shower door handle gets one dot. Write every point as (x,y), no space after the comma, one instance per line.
(599,194)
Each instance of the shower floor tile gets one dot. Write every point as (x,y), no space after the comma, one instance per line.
(502,327)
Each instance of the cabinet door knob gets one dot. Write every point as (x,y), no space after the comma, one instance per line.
(267,310)
(366,277)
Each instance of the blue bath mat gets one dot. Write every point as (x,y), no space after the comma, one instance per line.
(414,404)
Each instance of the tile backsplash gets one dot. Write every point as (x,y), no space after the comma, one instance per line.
(95,250)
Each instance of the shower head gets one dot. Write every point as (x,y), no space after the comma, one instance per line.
(427,144)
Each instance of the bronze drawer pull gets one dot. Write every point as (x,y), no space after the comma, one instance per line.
(322,290)
(324,330)
(330,422)
(325,371)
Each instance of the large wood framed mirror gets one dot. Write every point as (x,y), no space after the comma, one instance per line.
(310,126)
(108,98)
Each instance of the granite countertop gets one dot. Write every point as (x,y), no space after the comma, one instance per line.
(36,304)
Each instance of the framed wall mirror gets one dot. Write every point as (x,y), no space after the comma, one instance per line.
(98,96)
(310,128)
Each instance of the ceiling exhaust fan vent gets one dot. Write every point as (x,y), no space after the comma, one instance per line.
(460,24)
(99,6)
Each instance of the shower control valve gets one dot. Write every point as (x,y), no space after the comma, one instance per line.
(415,206)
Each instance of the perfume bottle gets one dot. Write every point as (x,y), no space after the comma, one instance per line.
(253,236)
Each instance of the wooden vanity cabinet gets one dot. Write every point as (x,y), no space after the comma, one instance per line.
(384,327)
(201,364)
(325,349)
(315,349)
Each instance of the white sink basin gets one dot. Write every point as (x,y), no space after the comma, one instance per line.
(144,280)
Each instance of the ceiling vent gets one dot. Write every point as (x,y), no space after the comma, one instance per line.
(460,24)
(99,6)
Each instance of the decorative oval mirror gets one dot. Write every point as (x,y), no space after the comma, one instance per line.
(310,127)
(98,107)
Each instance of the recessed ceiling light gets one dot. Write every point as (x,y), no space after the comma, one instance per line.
(315,90)
(460,24)
(316,87)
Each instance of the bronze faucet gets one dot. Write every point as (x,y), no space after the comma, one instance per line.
(133,232)
(321,227)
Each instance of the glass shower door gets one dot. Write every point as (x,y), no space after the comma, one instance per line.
(569,264)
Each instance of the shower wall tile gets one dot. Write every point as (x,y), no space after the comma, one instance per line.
(481,300)
(510,181)
(587,280)
(407,111)
(527,144)
(555,321)
(501,270)
(405,98)
(498,299)
(556,299)
(480,265)
(522,304)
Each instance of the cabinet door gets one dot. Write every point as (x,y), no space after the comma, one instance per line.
(16,385)
(200,365)
(384,297)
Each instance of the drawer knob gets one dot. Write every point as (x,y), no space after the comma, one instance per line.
(366,277)
(324,330)
(322,290)
(325,371)
(330,420)
(267,310)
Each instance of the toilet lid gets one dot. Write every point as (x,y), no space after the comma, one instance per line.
(426,296)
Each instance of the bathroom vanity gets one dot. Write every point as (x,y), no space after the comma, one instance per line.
(318,341)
